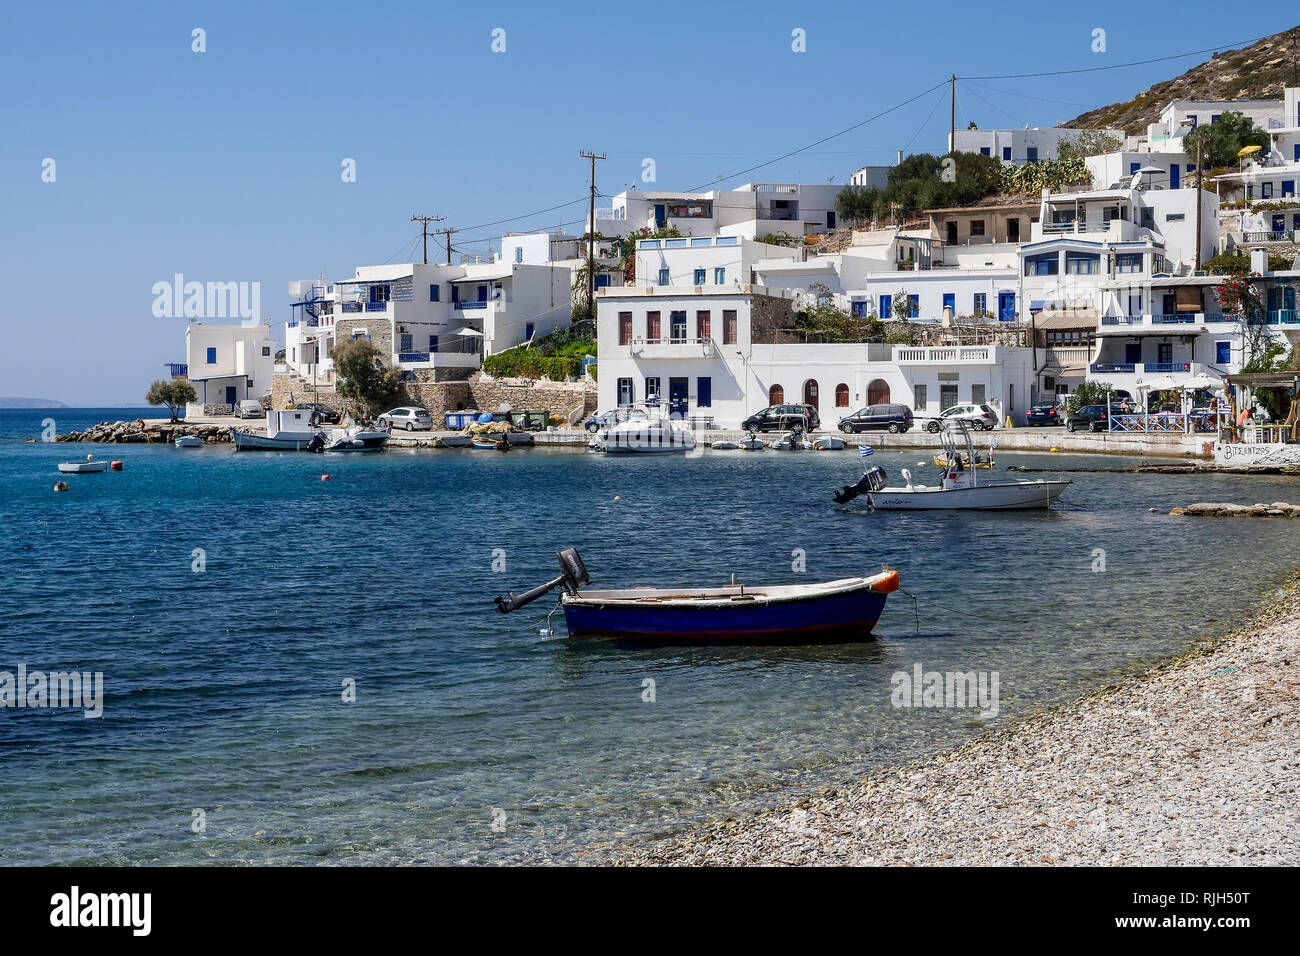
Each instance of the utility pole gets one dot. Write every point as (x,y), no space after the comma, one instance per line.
(952,113)
(1197,264)
(426,220)
(448,233)
(591,236)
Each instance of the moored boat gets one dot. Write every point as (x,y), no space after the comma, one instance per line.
(357,439)
(647,431)
(828,443)
(959,487)
(187,441)
(286,430)
(844,609)
(89,466)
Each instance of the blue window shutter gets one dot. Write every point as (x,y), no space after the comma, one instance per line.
(914,301)
(1173,175)
(984,151)
(1006,153)
(663,276)
(212,356)
(886,306)
(433,343)
(1288,186)
(950,301)
(1133,168)
(433,292)
(704,392)
(1223,352)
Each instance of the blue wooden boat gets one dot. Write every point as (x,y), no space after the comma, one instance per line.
(846,609)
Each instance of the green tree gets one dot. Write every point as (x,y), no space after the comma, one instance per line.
(363,376)
(1220,142)
(901,306)
(175,395)
(1088,393)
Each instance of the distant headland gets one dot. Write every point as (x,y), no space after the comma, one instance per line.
(30,403)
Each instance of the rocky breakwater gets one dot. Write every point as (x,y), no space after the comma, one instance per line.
(1220,509)
(146,432)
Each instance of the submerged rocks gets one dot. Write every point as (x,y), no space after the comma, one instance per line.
(1209,509)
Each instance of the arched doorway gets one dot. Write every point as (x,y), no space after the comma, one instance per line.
(841,396)
(810,393)
(775,395)
(878,392)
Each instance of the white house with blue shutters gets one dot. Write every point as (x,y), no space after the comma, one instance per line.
(1269,181)
(226,364)
(432,317)
(750,211)
(1018,147)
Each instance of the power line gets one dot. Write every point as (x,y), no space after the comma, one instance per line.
(1030,96)
(1117,66)
(927,119)
(975,93)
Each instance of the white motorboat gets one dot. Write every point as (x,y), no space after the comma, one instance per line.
(187,441)
(286,430)
(828,443)
(651,433)
(753,443)
(791,441)
(357,439)
(725,445)
(959,486)
(89,466)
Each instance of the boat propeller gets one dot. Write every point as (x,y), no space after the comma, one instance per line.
(573,575)
(873,479)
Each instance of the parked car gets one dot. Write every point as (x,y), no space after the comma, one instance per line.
(814,420)
(1043,413)
(320,414)
(978,416)
(1092,417)
(412,419)
(780,418)
(250,408)
(612,417)
(891,417)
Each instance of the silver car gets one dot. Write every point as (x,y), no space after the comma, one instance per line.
(977,416)
(412,419)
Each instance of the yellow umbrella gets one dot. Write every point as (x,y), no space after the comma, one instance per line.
(1247,150)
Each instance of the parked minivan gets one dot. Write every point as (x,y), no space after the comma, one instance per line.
(891,417)
(250,408)
(780,418)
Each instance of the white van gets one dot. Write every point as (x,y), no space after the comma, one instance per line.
(250,408)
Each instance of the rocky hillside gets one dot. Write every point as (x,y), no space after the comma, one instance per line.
(1258,71)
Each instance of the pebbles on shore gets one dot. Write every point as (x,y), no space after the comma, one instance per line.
(1194,762)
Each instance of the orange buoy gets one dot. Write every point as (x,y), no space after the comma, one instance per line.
(324,477)
(115,464)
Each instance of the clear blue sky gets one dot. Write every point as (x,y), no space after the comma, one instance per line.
(225,165)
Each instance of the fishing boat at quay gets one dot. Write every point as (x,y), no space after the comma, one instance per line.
(845,609)
(286,430)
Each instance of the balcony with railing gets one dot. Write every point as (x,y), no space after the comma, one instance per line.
(376,306)
(1068,355)
(672,347)
(1284,235)
(944,354)
(1283,317)
(1138,368)
(474,304)
(351,307)
(178,369)
(442,358)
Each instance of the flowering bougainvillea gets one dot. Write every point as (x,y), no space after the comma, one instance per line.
(1238,297)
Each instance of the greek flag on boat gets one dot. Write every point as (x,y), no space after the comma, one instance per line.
(866,451)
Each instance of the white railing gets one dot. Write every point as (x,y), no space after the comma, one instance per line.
(943,354)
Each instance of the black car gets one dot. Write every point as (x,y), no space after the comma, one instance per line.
(1092,417)
(320,414)
(814,420)
(1044,413)
(780,418)
(889,417)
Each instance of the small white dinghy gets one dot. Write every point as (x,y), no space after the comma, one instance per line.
(725,445)
(88,466)
(792,441)
(188,441)
(828,443)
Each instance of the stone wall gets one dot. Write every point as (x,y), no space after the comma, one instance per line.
(380,329)
(480,392)
(768,315)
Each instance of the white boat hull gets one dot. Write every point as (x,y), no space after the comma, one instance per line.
(1000,496)
(82,467)
(285,441)
(188,441)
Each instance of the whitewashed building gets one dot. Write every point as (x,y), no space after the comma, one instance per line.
(442,318)
(226,364)
(1018,147)
(750,211)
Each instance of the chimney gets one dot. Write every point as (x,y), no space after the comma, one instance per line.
(900,157)
(1259,261)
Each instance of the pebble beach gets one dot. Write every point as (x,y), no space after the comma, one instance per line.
(1192,763)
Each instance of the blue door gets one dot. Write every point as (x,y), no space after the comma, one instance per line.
(1132,353)
(950,301)
(1223,353)
(677,397)
(1173,175)
(230,395)
(660,217)
(886,307)
(704,392)
(1288,187)
(1006,306)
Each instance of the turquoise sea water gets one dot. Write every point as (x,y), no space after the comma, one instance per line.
(473,738)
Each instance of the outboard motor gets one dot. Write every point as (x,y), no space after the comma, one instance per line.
(573,575)
(317,442)
(873,479)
